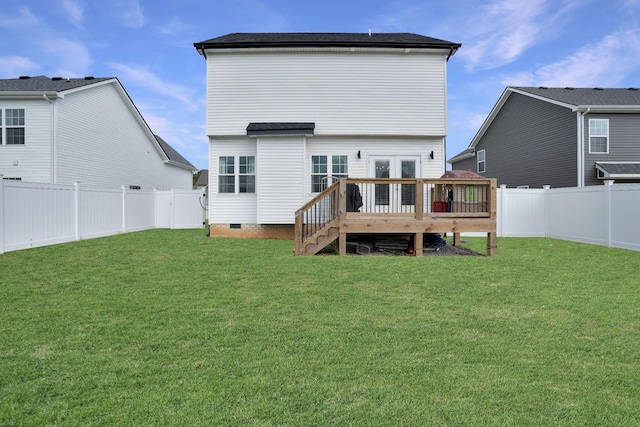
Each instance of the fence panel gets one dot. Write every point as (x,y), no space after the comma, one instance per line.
(521,212)
(101,212)
(37,214)
(577,214)
(625,227)
(188,209)
(139,211)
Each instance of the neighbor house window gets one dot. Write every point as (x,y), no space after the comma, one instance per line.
(598,135)
(482,166)
(12,126)
(240,175)
(322,175)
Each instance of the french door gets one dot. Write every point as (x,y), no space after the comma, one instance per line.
(394,197)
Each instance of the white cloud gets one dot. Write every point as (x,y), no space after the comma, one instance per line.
(606,64)
(20,20)
(73,58)
(74,11)
(502,31)
(130,13)
(141,76)
(14,66)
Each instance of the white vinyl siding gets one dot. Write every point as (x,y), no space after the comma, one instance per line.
(30,161)
(101,142)
(230,208)
(280,179)
(344,93)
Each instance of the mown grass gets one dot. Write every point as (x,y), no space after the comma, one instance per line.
(171,328)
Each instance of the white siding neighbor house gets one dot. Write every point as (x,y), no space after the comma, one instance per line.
(289,112)
(87,130)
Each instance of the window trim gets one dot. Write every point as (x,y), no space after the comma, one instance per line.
(234,170)
(336,166)
(5,126)
(599,136)
(483,161)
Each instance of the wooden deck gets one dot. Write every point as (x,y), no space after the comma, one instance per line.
(396,206)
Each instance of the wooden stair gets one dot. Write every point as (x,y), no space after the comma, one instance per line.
(321,239)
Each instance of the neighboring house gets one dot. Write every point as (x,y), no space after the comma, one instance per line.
(203,179)
(562,137)
(87,130)
(287,113)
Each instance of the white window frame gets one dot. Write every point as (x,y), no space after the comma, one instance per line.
(235,170)
(5,125)
(336,166)
(481,165)
(595,132)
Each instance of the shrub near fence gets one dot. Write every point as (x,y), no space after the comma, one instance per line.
(34,214)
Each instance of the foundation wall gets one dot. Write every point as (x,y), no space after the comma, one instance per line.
(253,231)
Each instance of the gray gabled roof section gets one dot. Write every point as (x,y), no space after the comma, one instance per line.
(40,85)
(595,100)
(271,40)
(587,97)
(173,155)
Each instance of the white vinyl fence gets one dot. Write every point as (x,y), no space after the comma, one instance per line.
(33,214)
(603,215)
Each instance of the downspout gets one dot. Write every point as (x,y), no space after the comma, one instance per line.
(54,156)
(581,142)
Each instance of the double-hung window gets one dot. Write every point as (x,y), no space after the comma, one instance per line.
(482,164)
(12,126)
(599,135)
(236,174)
(323,173)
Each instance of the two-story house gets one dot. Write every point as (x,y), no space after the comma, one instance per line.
(87,130)
(287,113)
(562,137)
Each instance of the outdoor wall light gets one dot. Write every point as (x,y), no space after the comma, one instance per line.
(358,153)
(431,155)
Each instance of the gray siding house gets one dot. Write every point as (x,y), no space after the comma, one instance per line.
(562,137)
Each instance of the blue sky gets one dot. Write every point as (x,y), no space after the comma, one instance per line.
(148,45)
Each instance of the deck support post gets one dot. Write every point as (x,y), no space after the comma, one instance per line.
(456,239)
(491,244)
(418,244)
(342,243)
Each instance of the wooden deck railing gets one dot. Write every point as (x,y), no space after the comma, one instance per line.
(411,206)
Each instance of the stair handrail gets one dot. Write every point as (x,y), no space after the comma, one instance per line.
(314,215)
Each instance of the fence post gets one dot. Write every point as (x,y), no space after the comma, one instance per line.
(503,187)
(546,208)
(607,213)
(1,214)
(76,209)
(124,209)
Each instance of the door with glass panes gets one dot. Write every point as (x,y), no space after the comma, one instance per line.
(394,197)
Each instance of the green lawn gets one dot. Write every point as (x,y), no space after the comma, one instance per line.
(167,327)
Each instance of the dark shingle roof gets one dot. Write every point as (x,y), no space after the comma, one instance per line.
(46,84)
(617,169)
(280,128)
(587,96)
(172,154)
(263,40)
